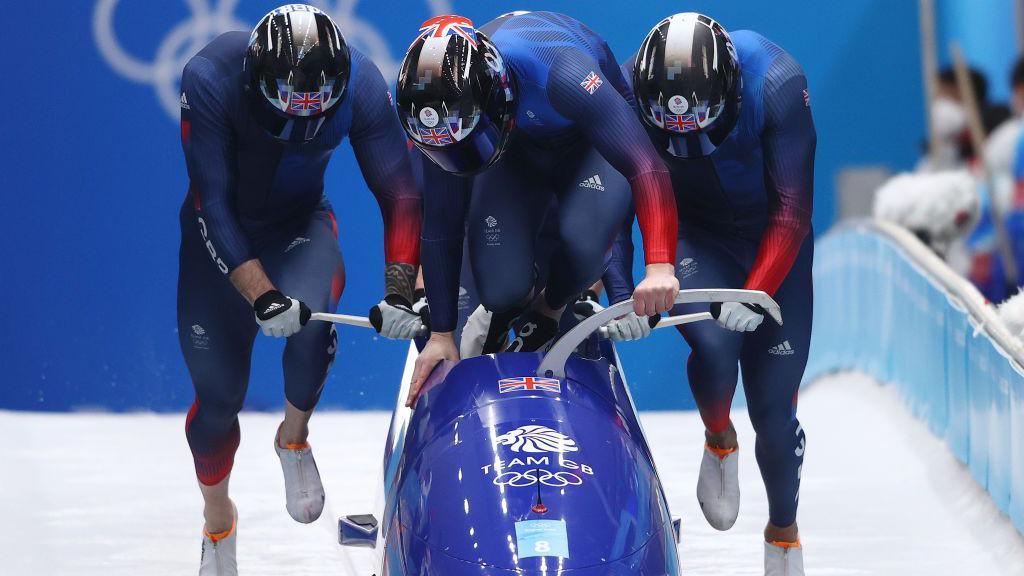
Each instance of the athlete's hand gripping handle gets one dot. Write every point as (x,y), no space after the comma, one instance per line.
(553,364)
(623,328)
(738,316)
(279,315)
(394,317)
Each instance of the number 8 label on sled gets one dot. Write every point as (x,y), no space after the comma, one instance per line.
(542,538)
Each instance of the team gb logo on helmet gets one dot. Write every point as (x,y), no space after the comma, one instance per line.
(211,18)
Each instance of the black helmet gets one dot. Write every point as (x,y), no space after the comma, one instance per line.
(455,97)
(687,83)
(299,66)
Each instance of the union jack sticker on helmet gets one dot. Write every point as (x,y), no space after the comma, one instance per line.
(448,25)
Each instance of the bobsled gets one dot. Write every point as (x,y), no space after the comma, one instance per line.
(526,464)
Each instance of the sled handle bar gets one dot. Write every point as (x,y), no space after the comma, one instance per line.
(360,321)
(658,322)
(553,364)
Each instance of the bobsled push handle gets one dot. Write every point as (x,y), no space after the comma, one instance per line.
(553,364)
(361,321)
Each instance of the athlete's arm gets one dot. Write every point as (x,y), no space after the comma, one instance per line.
(789,141)
(579,90)
(379,145)
(618,276)
(611,125)
(445,203)
(208,142)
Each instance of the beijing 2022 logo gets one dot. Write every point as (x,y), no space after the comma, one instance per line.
(209,19)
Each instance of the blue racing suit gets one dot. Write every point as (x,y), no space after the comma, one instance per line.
(253,196)
(575,127)
(745,222)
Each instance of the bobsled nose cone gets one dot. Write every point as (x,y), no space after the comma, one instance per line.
(303,490)
(718,487)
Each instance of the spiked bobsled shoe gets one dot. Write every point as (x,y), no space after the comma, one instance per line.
(303,490)
(718,487)
(783,559)
(219,552)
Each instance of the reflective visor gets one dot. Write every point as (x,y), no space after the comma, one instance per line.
(284,126)
(473,153)
(693,145)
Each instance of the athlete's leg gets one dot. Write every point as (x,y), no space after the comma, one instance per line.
(773,361)
(592,204)
(713,367)
(307,264)
(216,329)
(508,206)
(706,261)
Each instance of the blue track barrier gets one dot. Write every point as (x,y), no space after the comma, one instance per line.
(888,307)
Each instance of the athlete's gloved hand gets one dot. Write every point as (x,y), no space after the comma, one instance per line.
(393,317)
(474,333)
(279,315)
(421,307)
(738,317)
(624,328)
(586,305)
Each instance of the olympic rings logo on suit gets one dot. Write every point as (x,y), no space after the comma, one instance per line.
(559,479)
(211,18)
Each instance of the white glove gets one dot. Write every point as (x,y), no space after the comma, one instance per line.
(394,318)
(628,327)
(474,333)
(738,317)
(279,315)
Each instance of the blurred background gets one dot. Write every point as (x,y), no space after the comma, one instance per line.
(93,172)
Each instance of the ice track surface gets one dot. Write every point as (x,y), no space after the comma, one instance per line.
(115,494)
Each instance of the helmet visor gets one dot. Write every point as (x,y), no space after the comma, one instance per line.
(287,127)
(696,145)
(692,132)
(475,152)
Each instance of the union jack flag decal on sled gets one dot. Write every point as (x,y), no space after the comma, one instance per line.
(529,384)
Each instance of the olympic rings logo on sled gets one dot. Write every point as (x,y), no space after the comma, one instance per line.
(211,18)
(559,479)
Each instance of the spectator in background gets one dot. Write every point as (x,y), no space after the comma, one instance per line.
(1001,146)
(1017,88)
(949,119)
(1002,164)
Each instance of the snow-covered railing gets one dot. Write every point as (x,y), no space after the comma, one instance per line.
(887,306)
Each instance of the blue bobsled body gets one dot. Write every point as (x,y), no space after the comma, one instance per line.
(502,473)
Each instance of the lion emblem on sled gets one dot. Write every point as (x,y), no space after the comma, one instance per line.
(533,438)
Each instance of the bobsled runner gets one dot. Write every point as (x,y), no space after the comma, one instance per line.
(526,464)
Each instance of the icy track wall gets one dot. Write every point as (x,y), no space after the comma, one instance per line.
(888,307)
